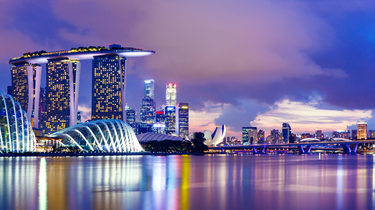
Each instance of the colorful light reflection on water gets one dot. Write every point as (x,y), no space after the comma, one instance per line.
(189,182)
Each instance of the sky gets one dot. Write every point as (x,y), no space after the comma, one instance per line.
(239,63)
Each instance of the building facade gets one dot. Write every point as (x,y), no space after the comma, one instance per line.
(171,95)
(249,135)
(26,80)
(61,95)
(131,118)
(106,87)
(286,132)
(182,120)
(149,89)
(361,130)
(148,111)
(261,139)
(170,120)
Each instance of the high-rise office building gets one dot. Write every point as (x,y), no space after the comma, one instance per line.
(171,95)
(261,136)
(148,111)
(79,118)
(149,89)
(354,135)
(275,136)
(249,135)
(361,130)
(159,126)
(170,120)
(106,87)
(286,132)
(42,106)
(131,117)
(26,80)
(62,94)
(182,120)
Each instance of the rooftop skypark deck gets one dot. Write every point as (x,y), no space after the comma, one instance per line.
(80,53)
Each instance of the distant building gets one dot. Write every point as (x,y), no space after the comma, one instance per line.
(361,130)
(249,135)
(170,120)
(354,135)
(319,134)
(106,87)
(293,138)
(148,111)
(275,136)
(131,118)
(261,137)
(149,89)
(171,95)
(182,120)
(371,134)
(341,134)
(286,132)
(306,135)
(78,117)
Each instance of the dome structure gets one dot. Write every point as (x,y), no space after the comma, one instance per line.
(340,139)
(100,135)
(144,137)
(310,140)
(16,133)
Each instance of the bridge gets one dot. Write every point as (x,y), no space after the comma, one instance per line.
(349,147)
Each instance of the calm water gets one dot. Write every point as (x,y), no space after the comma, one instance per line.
(189,182)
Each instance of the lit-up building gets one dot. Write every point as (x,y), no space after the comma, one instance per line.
(149,89)
(79,118)
(275,136)
(62,94)
(159,126)
(319,135)
(171,95)
(131,117)
(182,120)
(106,87)
(42,106)
(148,111)
(16,133)
(371,134)
(261,136)
(170,120)
(64,65)
(286,132)
(26,80)
(249,135)
(100,135)
(306,136)
(361,130)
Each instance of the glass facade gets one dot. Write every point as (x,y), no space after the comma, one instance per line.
(148,111)
(131,118)
(100,135)
(16,133)
(182,120)
(286,131)
(249,135)
(106,87)
(58,95)
(170,120)
(149,89)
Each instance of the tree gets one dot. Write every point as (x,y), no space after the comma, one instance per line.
(198,142)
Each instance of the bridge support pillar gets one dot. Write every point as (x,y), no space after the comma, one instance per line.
(302,150)
(347,150)
(222,151)
(262,151)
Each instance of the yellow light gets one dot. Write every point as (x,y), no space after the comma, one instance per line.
(184,107)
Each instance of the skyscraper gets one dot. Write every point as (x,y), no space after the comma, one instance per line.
(319,135)
(361,130)
(182,120)
(170,120)
(171,95)
(261,136)
(131,117)
(106,87)
(249,135)
(26,80)
(149,89)
(275,136)
(62,94)
(148,111)
(286,131)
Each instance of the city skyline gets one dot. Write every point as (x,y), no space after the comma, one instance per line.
(307,73)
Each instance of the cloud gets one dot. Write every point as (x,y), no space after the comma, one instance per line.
(306,117)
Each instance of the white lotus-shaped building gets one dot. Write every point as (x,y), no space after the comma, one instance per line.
(16,133)
(216,137)
(101,135)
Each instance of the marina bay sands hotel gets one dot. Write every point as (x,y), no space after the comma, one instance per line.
(63,72)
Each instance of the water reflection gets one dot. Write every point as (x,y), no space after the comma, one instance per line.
(189,182)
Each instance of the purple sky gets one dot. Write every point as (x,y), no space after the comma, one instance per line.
(309,63)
